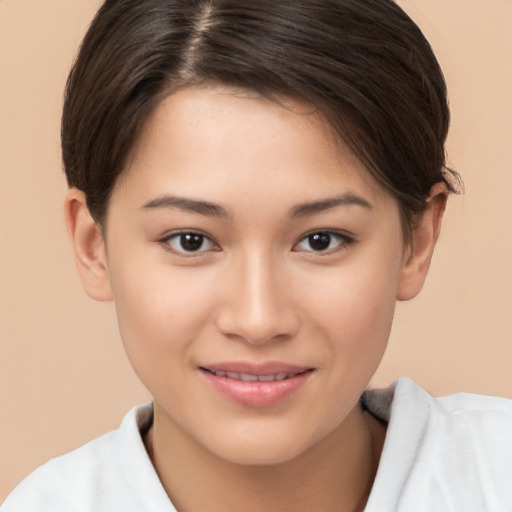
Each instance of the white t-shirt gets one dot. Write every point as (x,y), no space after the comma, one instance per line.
(440,455)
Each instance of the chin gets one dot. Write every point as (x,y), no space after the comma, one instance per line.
(267,455)
(265,449)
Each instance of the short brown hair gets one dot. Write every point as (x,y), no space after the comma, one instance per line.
(364,64)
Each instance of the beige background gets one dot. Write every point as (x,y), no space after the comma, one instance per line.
(63,376)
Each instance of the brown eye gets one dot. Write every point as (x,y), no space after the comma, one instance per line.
(323,241)
(189,242)
(319,241)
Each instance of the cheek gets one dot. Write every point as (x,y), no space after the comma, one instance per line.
(160,313)
(372,304)
(353,306)
(352,313)
(356,295)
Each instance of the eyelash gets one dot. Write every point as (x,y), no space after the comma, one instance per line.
(166,241)
(343,241)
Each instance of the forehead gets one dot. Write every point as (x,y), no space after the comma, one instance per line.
(213,140)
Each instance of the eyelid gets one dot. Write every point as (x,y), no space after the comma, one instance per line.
(346,240)
(164,241)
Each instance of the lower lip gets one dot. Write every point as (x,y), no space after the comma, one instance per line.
(257,393)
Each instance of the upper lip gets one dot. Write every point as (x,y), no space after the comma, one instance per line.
(267,368)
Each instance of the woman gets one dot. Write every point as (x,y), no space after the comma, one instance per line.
(255,184)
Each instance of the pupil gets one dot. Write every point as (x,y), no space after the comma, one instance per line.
(191,241)
(320,241)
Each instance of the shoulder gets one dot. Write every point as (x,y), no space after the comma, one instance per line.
(453,452)
(464,419)
(64,481)
(476,421)
(95,476)
(405,405)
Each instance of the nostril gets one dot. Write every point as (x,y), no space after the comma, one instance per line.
(257,330)
(256,306)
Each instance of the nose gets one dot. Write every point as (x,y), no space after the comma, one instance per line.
(257,306)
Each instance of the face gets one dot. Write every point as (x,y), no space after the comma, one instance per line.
(255,266)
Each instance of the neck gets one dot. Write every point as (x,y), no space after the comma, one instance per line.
(335,474)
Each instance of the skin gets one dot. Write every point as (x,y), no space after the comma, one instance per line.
(256,291)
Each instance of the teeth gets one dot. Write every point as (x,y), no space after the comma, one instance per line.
(266,378)
(247,377)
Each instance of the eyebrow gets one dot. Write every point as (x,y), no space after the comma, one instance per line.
(214,210)
(187,205)
(322,205)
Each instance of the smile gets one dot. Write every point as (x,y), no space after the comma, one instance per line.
(256,385)
(248,377)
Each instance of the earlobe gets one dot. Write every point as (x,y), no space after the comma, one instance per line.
(424,237)
(88,246)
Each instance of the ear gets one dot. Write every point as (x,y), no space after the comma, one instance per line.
(88,245)
(422,244)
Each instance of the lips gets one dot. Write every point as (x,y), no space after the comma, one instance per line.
(261,385)
(249,377)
